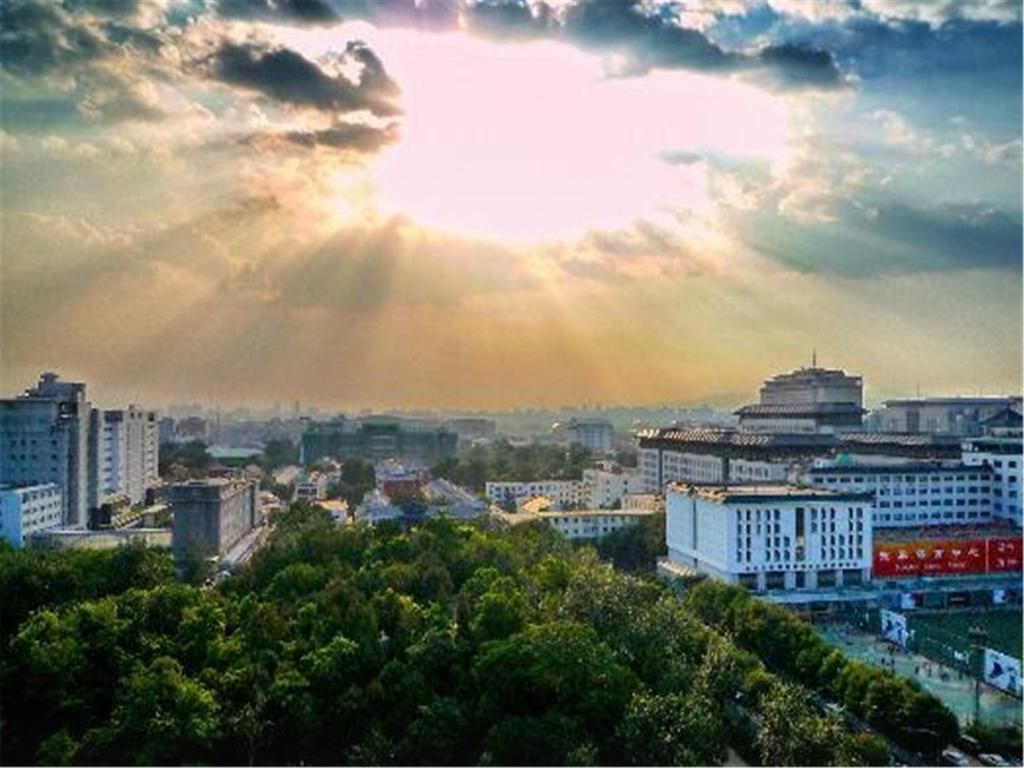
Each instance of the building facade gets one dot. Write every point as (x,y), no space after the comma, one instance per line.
(963,416)
(210,516)
(562,493)
(26,510)
(807,400)
(44,438)
(592,523)
(1002,456)
(596,435)
(915,495)
(376,438)
(605,487)
(770,537)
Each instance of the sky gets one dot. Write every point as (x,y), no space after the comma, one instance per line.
(493,204)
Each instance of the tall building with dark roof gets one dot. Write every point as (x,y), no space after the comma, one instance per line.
(807,400)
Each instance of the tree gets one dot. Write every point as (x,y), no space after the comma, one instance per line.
(674,729)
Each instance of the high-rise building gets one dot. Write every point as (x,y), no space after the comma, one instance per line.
(44,438)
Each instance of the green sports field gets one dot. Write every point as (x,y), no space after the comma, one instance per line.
(937,633)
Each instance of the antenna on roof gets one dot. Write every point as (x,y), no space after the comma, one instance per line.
(814,358)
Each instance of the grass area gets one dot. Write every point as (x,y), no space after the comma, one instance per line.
(950,629)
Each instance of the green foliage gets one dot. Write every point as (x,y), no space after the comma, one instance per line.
(279,453)
(180,461)
(502,461)
(450,643)
(357,477)
(637,547)
(790,646)
(1004,740)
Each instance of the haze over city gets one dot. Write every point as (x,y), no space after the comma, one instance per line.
(495,205)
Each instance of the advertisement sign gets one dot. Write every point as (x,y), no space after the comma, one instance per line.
(929,558)
(1002,671)
(1004,554)
(894,627)
(939,557)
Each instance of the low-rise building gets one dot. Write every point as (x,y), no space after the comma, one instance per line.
(605,486)
(596,435)
(311,488)
(563,493)
(592,523)
(964,416)
(28,509)
(210,516)
(770,537)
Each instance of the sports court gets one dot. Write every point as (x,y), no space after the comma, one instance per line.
(952,686)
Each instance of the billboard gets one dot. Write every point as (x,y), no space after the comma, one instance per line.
(936,557)
(1002,671)
(1004,554)
(894,627)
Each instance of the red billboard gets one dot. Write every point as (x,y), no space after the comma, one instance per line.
(943,557)
(1004,554)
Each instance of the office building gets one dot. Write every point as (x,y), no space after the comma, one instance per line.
(29,509)
(963,416)
(596,435)
(375,438)
(807,400)
(728,456)
(210,516)
(914,495)
(769,537)
(44,438)
(1001,455)
(312,487)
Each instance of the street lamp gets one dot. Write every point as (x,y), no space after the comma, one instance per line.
(979,639)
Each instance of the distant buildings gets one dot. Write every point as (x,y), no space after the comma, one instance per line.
(312,487)
(769,537)
(562,493)
(596,435)
(211,516)
(963,416)
(375,438)
(807,400)
(28,509)
(604,487)
(472,429)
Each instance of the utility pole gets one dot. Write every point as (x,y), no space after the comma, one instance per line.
(979,638)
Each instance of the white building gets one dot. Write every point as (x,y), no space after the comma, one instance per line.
(563,493)
(771,536)
(1003,455)
(604,487)
(312,487)
(592,523)
(914,494)
(28,509)
(943,415)
(44,438)
(123,454)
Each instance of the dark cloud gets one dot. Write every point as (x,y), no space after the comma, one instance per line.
(288,77)
(38,38)
(893,238)
(350,137)
(427,14)
(299,11)
(801,66)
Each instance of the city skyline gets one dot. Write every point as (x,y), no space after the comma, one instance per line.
(497,205)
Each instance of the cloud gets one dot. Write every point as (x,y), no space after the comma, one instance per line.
(352,137)
(288,77)
(936,13)
(800,66)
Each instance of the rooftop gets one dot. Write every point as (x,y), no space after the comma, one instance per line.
(769,492)
(800,409)
(947,532)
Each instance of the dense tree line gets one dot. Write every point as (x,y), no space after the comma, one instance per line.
(182,461)
(501,461)
(635,548)
(356,479)
(896,706)
(448,644)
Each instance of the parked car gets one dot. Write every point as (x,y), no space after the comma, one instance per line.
(969,744)
(990,758)
(953,756)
